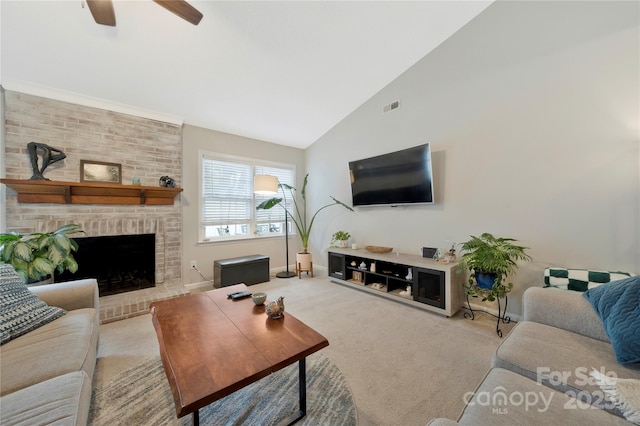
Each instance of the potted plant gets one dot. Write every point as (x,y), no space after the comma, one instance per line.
(340,239)
(37,256)
(490,260)
(299,215)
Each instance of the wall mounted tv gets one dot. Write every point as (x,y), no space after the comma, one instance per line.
(396,178)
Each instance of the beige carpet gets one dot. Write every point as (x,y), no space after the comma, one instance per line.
(404,365)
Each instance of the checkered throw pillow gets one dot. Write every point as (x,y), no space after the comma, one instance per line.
(21,311)
(580,279)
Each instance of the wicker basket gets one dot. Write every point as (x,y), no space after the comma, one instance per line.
(378,249)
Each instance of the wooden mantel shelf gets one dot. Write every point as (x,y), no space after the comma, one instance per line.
(48,191)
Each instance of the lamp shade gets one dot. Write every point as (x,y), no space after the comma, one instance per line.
(265,184)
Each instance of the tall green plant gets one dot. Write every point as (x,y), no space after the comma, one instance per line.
(300,218)
(36,256)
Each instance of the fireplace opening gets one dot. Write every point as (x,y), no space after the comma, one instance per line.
(119,263)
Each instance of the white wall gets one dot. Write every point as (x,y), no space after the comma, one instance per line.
(195,139)
(532,113)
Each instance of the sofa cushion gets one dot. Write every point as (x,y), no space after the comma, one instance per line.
(63,400)
(618,305)
(65,345)
(506,398)
(563,309)
(579,279)
(21,311)
(561,359)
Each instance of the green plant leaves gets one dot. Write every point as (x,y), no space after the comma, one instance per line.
(489,254)
(300,218)
(494,255)
(341,236)
(270,203)
(341,203)
(40,268)
(70,264)
(21,250)
(38,255)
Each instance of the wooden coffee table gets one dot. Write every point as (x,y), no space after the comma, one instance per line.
(211,346)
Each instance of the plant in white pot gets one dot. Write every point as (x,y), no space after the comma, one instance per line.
(340,239)
(299,215)
(37,256)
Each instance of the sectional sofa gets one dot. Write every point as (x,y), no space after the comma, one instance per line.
(47,366)
(542,373)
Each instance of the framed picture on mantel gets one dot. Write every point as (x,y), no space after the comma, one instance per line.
(99,171)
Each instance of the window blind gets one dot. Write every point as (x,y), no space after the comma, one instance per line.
(227,192)
(227,199)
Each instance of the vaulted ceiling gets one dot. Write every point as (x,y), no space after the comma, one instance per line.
(284,72)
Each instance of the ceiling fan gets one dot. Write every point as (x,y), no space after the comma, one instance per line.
(102,11)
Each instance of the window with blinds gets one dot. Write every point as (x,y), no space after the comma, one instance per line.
(227,202)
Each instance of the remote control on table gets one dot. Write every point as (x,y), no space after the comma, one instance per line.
(238,295)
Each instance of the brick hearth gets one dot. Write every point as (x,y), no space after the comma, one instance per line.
(125,305)
(134,303)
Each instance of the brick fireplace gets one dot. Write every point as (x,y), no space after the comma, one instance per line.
(145,148)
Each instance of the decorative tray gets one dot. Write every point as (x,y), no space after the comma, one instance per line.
(378,249)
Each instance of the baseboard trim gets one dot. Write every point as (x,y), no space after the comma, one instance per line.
(481,308)
(199,286)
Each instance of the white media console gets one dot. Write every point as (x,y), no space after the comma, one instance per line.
(434,286)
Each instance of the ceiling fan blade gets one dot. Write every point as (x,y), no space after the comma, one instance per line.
(182,9)
(102,11)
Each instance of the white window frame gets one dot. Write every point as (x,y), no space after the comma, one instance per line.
(252,231)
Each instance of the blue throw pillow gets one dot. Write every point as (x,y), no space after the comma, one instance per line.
(618,305)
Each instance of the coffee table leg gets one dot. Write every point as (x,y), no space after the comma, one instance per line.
(195,417)
(302,392)
(302,372)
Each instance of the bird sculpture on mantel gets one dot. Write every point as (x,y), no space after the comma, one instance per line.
(275,309)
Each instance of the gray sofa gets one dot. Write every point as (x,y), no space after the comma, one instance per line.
(46,374)
(540,373)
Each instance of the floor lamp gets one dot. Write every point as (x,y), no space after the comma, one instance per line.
(268,185)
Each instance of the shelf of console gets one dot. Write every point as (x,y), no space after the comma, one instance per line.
(59,192)
(446,300)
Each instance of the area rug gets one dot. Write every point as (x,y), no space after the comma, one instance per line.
(141,396)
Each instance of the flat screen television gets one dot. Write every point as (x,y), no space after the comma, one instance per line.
(396,178)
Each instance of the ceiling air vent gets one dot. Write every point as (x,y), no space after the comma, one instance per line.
(390,107)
